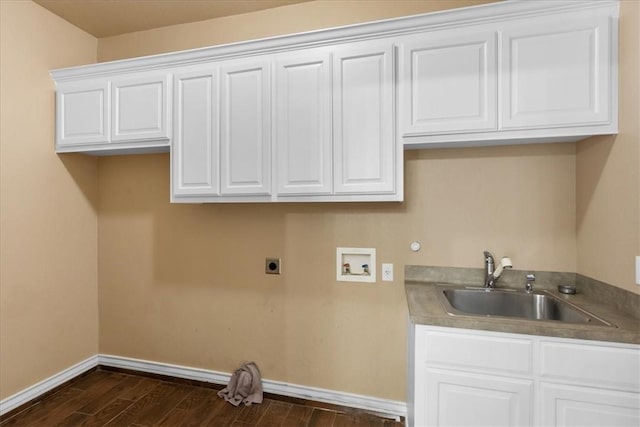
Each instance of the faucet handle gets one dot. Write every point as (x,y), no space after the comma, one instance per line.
(529,286)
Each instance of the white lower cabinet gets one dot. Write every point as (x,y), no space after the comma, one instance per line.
(455,398)
(462,377)
(574,406)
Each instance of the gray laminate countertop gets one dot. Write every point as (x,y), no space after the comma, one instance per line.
(426,308)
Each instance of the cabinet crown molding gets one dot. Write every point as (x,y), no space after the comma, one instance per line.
(493,12)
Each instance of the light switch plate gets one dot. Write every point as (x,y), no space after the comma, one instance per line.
(387,272)
(638,270)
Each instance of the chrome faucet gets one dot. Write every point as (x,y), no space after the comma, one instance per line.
(492,274)
(489,282)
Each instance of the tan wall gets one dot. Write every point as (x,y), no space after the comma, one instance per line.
(608,182)
(313,15)
(48,214)
(185,283)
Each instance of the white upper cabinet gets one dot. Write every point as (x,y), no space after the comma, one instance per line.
(245,144)
(533,78)
(325,115)
(130,113)
(140,108)
(363,114)
(303,123)
(82,113)
(449,83)
(319,129)
(556,72)
(196,145)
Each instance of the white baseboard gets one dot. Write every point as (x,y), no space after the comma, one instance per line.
(30,393)
(383,406)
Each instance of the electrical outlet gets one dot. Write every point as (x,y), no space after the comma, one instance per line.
(638,270)
(272,265)
(387,272)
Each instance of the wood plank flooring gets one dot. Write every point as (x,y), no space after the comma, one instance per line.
(109,398)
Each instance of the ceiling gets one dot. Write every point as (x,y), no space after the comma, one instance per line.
(104,18)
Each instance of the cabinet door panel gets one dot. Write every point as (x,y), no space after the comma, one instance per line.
(563,405)
(556,72)
(194,154)
(141,108)
(304,124)
(82,112)
(449,84)
(245,124)
(364,154)
(465,399)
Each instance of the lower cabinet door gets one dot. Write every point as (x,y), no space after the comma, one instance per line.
(566,405)
(455,398)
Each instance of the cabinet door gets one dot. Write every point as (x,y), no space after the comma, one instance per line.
(363,113)
(556,72)
(564,405)
(246,127)
(140,108)
(303,123)
(195,146)
(82,112)
(456,398)
(449,83)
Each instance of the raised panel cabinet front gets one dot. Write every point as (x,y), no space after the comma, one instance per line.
(556,71)
(564,405)
(363,117)
(82,110)
(140,108)
(449,83)
(456,398)
(303,123)
(245,128)
(195,146)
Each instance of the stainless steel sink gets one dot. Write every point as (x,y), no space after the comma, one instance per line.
(515,304)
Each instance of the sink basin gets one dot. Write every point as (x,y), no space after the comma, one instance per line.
(514,304)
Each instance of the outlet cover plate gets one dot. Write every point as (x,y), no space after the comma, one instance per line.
(272,265)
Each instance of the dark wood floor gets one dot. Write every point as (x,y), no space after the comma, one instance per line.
(107,398)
